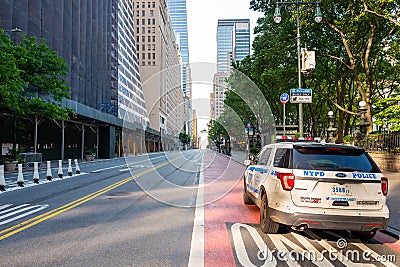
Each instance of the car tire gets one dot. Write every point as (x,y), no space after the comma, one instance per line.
(267,225)
(364,236)
(246,198)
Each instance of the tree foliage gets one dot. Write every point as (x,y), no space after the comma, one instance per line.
(32,79)
(357,48)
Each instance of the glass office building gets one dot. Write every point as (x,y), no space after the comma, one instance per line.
(233,42)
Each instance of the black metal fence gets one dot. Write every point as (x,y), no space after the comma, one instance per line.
(385,142)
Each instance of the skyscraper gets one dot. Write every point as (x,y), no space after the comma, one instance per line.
(178,13)
(233,44)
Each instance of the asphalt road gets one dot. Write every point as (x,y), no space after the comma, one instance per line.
(109,215)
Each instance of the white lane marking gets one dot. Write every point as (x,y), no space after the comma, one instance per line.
(328,247)
(363,247)
(15,208)
(36,209)
(196,257)
(240,247)
(124,165)
(5,206)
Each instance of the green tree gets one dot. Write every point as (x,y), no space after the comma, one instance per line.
(32,83)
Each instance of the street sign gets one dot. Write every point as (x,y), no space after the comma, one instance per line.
(284,98)
(300,95)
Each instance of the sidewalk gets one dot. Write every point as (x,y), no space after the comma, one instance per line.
(393,198)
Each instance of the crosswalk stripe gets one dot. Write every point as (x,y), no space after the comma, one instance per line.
(15,208)
(38,208)
(18,212)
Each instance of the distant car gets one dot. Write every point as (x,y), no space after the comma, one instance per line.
(314,185)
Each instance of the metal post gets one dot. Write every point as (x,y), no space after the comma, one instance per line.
(62,139)
(36,133)
(299,68)
(284,119)
(83,141)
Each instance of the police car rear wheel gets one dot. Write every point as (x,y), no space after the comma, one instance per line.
(267,225)
(364,236)
(246,198)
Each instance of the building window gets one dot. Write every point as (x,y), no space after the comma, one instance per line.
(154,4)
(149,56)
(151,13)
(137,30)
(143,63)
(143,47)
(143,5)
(154,55)
(137,22)
(154,38)
(154,47)
(137,11)
(137,47)
(154,21)
(143,22)
(149,21)
(148,4)
(137,5)
(153,29)
(143,30)
(149,39)
(143,13)
(143,55)
(154,63)
(149,47)
(137,39)
(148,29)
(149,63)
(143,38)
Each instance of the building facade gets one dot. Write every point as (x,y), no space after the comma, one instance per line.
(233,44)
(97,40)
(160,68)
(178,13)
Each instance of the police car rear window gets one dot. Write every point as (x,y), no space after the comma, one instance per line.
(333,158)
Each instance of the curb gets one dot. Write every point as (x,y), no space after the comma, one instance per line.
(392,232)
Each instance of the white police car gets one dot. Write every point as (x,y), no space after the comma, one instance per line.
(314,185)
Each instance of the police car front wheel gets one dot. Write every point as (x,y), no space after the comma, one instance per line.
(267,225)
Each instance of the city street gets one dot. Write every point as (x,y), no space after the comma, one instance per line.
(148,211)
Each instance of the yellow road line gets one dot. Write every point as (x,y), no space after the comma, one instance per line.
(45,216)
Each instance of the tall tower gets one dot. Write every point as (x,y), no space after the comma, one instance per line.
(178,13)
(233,44)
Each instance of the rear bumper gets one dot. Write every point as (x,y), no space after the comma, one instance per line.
(334,222)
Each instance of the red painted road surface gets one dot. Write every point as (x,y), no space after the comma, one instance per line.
(224,204)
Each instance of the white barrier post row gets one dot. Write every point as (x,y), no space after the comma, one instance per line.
(60,171)
(2,179)
(69,167)
(20,179)
(48,174)
(35,172)
(78,170)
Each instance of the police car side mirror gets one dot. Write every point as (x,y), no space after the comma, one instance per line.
(247,162)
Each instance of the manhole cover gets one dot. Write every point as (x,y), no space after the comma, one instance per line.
(120,194)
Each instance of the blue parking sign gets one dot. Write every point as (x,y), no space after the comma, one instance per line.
(284,98)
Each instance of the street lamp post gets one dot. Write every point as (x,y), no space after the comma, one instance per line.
(363,120)
(317,18)
(331,130)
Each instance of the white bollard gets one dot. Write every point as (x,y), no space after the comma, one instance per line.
(69,167)
(2,179)
(60,171)
(20,179)
(48,174)
(78,170)
(35,172)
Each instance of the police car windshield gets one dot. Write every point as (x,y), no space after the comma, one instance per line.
(333,159)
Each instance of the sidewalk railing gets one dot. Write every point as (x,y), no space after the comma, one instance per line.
(385,142)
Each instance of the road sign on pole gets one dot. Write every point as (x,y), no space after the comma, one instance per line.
(300,95)
(284,98)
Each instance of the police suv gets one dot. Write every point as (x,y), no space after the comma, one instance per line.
(316,185)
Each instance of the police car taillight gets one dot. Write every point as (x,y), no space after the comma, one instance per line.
(287,180)
(384,185)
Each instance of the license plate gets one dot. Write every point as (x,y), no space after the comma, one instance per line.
(341,190)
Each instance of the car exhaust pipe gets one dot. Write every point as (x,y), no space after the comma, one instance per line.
(301,227)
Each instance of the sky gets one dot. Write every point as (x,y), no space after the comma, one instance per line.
(203,18)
